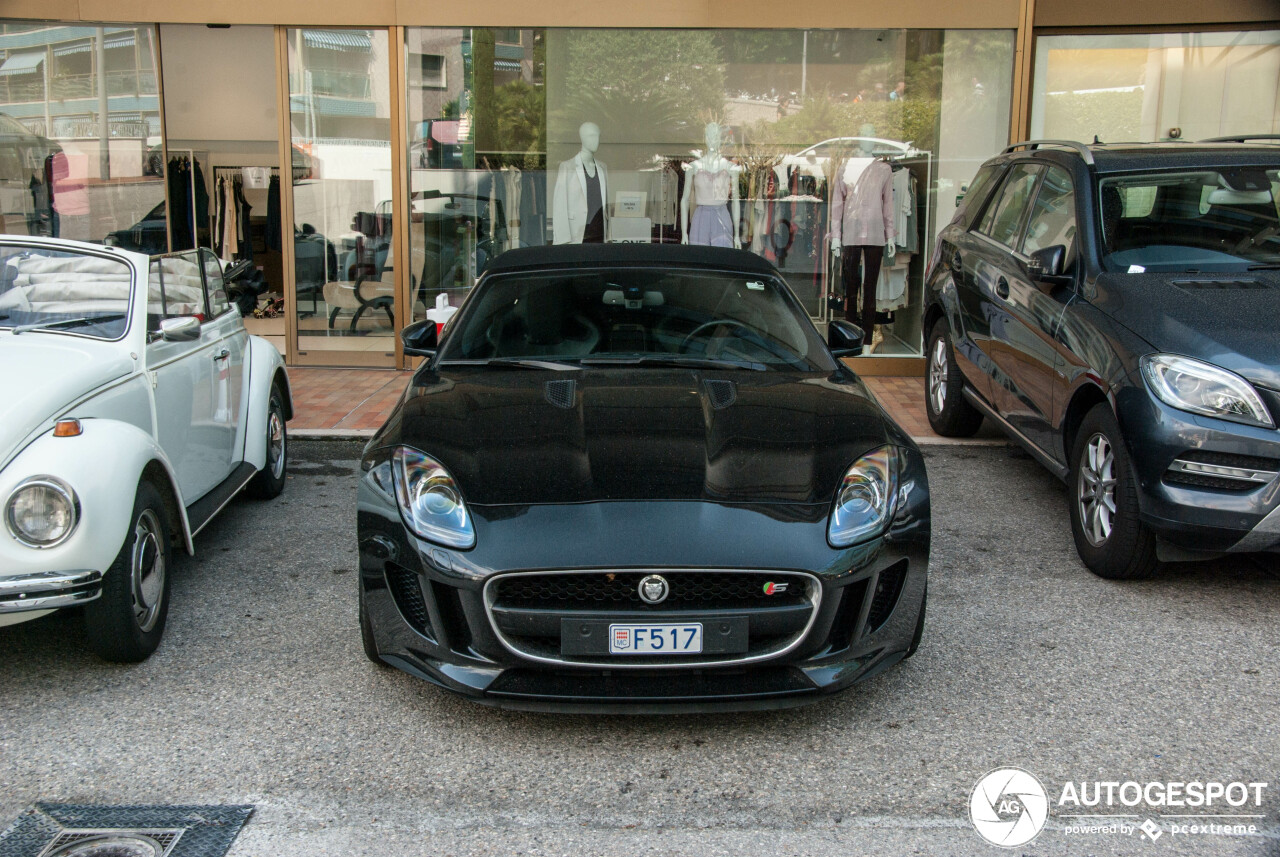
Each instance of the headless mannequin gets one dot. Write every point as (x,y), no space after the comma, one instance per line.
(578,202)
(861,207)
(713,225)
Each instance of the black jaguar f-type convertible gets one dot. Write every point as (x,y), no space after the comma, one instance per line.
(633,477)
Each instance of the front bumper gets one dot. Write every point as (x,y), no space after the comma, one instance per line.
(434,612)
(48,590)
(1203,513)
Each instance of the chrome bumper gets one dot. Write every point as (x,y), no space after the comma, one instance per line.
(47,590)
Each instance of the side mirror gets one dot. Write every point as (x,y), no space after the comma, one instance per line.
(844,338)
(1046,265)
(185,328)
(419,339)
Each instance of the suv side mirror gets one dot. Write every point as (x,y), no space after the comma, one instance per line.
(1047,263)
(184,328)
(419,339)
(844,338)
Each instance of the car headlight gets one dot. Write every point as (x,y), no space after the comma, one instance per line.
(865,499)
(430,501)
(1202,388)
(42,512)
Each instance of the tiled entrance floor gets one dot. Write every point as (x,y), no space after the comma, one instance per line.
(357,401)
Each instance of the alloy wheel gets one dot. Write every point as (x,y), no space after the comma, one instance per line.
(1096,490)
(147,570)
(275,440)
(938,375)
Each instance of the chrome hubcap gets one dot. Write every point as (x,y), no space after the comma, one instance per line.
(938,375)
(1096,490)
(147,570)
(275,442)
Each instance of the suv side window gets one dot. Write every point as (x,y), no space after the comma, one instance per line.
(1003,221)
(1053,216)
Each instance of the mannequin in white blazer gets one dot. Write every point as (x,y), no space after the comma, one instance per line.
(569,214)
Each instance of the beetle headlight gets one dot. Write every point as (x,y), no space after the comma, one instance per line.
(865,499)
(42,512)
(430,501)
(1202,388)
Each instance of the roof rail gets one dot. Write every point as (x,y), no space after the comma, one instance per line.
(1243,138)
(1084,150)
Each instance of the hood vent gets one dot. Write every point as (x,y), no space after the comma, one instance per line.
(722,393)
(561,393)
(1220,285)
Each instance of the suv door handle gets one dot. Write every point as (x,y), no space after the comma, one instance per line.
(221,355)
(1002,288)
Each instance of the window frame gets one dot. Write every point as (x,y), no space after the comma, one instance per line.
(1031,210)
(994,203)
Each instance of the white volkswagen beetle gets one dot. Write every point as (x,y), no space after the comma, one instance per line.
(133,407)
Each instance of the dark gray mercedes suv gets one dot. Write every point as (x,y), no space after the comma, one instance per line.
(1115,309)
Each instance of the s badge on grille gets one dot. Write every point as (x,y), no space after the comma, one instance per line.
(772,588)
(654,589)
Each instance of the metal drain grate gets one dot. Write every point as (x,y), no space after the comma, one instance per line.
(69,830)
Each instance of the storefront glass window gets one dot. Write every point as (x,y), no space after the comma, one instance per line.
(1141,87)
(340,107)
(767,140)
(80,134)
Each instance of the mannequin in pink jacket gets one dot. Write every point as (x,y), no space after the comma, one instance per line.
(862,229)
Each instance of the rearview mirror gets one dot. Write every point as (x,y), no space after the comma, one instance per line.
(419,339)
(185,328)
(844,338)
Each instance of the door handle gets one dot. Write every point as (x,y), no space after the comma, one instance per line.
(221,355)
(1002,288)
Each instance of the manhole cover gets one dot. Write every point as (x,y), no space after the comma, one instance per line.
(67,830)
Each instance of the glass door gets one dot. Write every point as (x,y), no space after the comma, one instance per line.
(340,122)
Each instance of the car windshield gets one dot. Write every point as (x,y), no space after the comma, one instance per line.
(637,316)
(63,291)
(1205,220)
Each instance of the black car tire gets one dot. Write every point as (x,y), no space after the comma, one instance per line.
(915,638)
(950,414)
(125,623)
(268,482)
(1118,547)
(366,632)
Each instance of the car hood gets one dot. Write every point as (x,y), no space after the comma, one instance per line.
(41,374)
(1229,320)
(530,436)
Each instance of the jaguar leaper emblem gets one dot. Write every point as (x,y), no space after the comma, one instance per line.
(654,589)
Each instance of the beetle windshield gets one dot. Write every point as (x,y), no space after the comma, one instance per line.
(63,291)
(1207,220)
(638,315)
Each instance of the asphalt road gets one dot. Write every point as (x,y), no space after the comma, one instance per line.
(259,694)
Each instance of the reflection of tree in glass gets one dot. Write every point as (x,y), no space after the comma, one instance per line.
(644,84)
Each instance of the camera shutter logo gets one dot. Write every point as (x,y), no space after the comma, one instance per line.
(1008,807)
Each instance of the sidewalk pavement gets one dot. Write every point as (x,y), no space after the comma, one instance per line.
(355,402)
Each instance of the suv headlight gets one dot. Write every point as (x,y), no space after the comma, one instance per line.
(430,501)
(865,499)
(42,512)
(1202,388)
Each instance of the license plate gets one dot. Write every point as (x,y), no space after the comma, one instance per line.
(655,639)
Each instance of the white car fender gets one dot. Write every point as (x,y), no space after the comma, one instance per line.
(264,367)
(103,465)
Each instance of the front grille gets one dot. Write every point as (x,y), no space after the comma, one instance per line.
(888,589)
(703,590)
(530,613)
(407,592)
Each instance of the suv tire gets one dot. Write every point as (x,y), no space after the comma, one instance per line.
(950,414)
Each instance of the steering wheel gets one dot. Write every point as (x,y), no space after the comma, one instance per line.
(714,323)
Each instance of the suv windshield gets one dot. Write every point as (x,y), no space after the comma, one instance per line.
(1205,220)
(63,291)
(641,316)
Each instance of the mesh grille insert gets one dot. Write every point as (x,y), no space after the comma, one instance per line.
(722,393)
(701,589)
(885,596)
(561,393)
(407,592)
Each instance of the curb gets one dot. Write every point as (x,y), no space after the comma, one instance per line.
(330,434)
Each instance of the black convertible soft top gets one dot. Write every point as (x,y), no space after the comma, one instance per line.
(628,255)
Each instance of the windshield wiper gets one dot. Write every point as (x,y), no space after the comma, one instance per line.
(517,362)
(682,362)
(68,322)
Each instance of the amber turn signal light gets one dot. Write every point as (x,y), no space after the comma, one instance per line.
(67,428)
